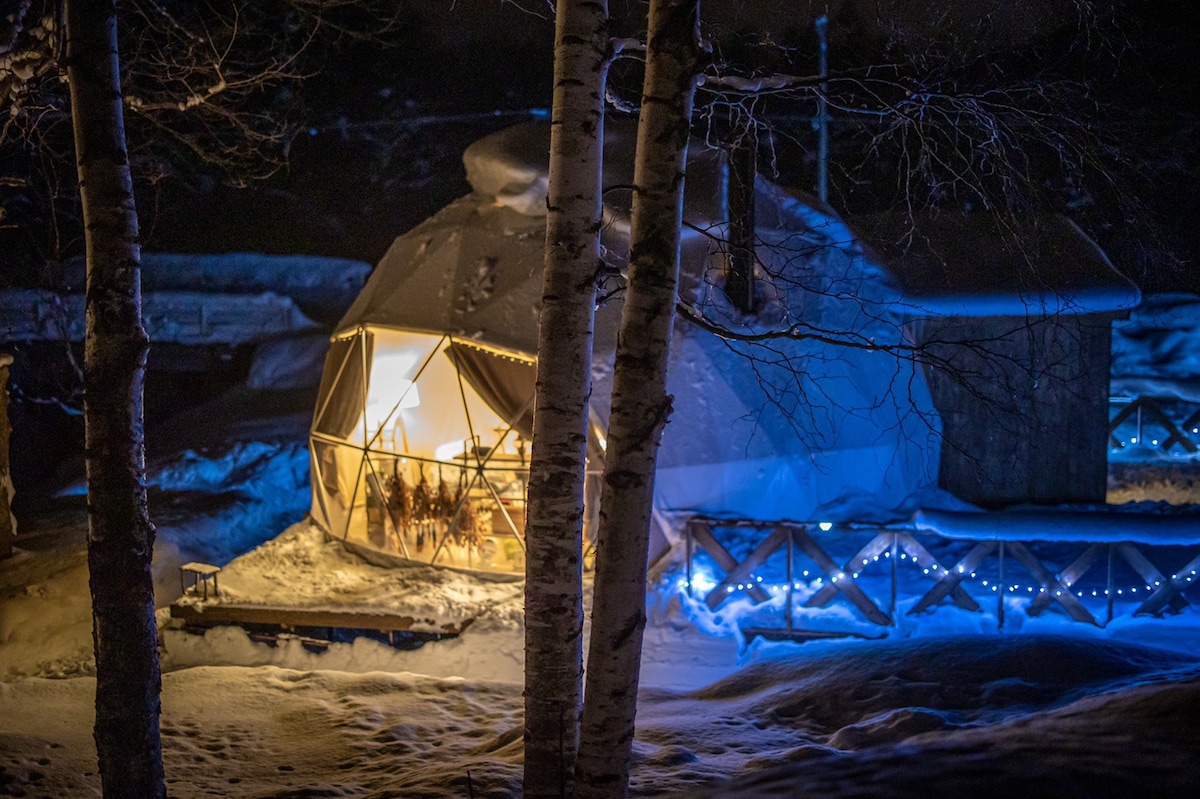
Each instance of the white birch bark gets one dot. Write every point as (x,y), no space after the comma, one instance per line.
(640,403)
(120,536)
(554,576)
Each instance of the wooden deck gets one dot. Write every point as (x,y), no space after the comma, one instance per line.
(317,624)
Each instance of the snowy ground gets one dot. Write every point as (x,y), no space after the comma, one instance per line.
(934,717)
(945,706)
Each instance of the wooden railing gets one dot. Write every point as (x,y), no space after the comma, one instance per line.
(891,553)
(1154,423)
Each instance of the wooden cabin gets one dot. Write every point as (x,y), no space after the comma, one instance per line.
(1013,323)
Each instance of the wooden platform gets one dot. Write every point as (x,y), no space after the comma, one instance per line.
(216,614)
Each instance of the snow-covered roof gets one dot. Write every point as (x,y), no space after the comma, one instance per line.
(182,317)
(320,285)
(952,264)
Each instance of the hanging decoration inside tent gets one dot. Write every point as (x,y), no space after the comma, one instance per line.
(445,504)
(399,500)
(467,533)
(420,448)
(424,511)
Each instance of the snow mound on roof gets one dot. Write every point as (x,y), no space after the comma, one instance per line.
(511,167)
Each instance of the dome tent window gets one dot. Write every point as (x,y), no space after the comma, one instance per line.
(434,464)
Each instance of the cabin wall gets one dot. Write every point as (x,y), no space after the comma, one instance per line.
(1024,406)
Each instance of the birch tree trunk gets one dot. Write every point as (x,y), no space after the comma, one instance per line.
(640,403)
(120,536)
(554,575)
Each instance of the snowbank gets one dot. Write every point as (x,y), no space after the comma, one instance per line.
(1062,525)
(955,717)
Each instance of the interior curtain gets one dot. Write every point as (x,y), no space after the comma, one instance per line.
(343,393)
(505,384)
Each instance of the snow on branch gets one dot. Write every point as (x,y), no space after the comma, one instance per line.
(757,84)
(797,331)
(627,44)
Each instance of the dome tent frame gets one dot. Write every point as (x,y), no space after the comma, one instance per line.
(440,482)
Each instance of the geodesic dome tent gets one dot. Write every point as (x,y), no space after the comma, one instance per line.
(420,436)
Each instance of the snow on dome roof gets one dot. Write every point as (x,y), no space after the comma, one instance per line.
(940,264)
(474,270)
(512,166)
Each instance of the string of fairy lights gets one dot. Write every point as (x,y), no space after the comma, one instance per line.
(1154,442)
(705,583)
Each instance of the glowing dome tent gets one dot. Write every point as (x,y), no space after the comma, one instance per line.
(420,439)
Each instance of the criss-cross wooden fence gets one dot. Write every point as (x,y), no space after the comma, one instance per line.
(907,565)
(1154,423)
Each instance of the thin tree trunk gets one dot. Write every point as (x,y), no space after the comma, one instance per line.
(120,536)
(739,202)
(8,525)
(640,403)
(554,576)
